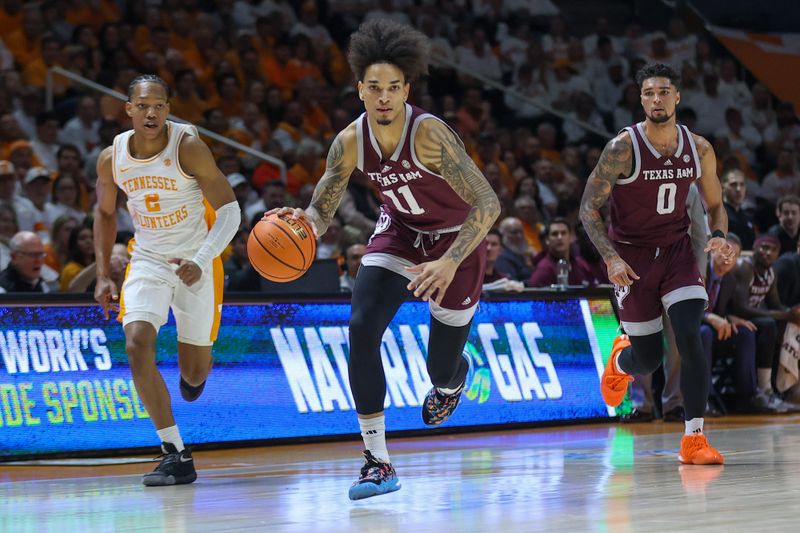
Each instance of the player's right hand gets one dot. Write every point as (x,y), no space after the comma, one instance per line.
(620,272)
(105,292)
(296,213)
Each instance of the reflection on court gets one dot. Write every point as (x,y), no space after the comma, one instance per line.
(589,478)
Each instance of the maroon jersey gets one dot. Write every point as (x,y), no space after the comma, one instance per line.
(411,194)
(648,208)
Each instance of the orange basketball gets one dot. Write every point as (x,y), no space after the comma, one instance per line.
(281,249)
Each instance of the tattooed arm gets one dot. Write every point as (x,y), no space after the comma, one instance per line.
(616,161)
(442,152)
(331,186)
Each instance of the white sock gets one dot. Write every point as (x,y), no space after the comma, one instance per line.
(171,435)
(448,392)
(694,426)
(373,431)
(764,379)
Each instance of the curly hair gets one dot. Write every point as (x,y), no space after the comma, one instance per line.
(659,70)
(384,41)
(147,78)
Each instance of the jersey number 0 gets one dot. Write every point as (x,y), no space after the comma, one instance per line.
(666,198)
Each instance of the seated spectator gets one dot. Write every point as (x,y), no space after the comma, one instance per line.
(739,221)
(788,226)
(81,255)
(782,181)
(58,247)
(787,269)
(273,195)
(8,228)
(516,259)
(723,334)
(526,210)
(24,272)
(756,299)
(329,245)
(558,243)
(35,213)
(66,200)
(238,259)
(493,279)
(352,262)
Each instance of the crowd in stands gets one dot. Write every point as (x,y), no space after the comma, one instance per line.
(273,75)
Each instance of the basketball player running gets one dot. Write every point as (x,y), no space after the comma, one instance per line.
(436,209)
(646,170)
(170,177)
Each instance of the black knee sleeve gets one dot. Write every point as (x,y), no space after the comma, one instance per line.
(377,295)
(446,368)
(644,354)
(686,317)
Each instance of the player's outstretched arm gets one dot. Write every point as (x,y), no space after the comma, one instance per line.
(198,161)
(105,229)
(441,151)
(712,193)
(331,186)
(616,161)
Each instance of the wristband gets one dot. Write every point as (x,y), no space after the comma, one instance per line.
(718,233)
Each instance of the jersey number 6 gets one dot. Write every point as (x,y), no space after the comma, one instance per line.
(151,203)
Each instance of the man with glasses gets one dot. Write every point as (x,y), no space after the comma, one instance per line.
(24,272)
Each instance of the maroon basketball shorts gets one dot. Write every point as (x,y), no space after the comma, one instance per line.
(666,276)
(395,246)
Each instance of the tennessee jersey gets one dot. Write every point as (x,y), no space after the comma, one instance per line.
(166,204)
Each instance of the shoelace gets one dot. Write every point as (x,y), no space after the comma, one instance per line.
(167,459)
(379,471)
(614,382)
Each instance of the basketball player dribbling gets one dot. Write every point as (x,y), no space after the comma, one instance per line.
(185,214)
(436,210)
(646,170)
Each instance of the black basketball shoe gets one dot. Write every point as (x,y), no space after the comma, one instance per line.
(190,393)
(176,468)
(437,407)
(376,478)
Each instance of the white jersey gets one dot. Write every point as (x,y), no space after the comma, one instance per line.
(166,204)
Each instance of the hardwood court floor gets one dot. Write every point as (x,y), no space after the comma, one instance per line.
(604,478)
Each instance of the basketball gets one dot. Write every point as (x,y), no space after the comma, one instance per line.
(281,248)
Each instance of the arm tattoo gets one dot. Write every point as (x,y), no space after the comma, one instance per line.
(441,149)
(615,161)
(328,192)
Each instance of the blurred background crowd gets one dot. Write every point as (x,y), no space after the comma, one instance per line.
(272,75)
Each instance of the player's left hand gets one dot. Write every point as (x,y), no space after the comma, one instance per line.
(189,272)
(722,247)
(432,279)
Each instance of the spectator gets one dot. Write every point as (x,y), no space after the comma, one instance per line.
(45,145)
(80,255)
(787,270)
(329,245)
(788,226)
(352,262)
(756,299)
(516,259)
(238,259)
(24,271)
(35,213)
(8,228)
(58,247)
(66,200)
(783,180)
(724,334)
(558,243)
(739,221)
(273,195)
(83,131)
(526,210)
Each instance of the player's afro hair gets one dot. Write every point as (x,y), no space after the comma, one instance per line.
(384,41)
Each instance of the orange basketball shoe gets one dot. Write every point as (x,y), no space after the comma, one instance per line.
(613,384)
(695,450)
